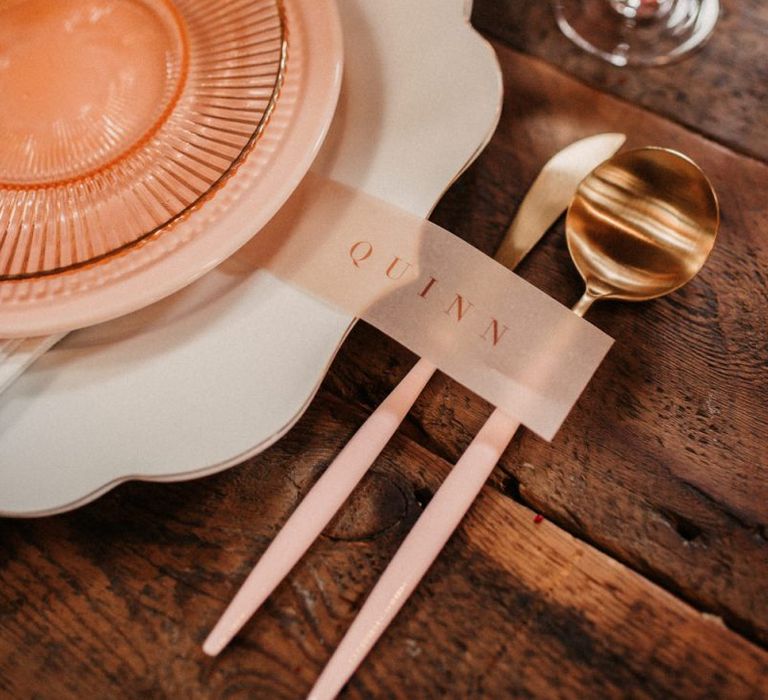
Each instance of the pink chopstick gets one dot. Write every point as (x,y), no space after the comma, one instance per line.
(417,552)
(319,506)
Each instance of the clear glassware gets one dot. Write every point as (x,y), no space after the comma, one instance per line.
(637,32)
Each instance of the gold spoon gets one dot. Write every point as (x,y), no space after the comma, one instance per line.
(639,226)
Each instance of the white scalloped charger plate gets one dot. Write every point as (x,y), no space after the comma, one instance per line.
(219,371)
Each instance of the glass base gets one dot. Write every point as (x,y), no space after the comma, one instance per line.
(637,32)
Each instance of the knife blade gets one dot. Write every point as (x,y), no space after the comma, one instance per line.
(551,192)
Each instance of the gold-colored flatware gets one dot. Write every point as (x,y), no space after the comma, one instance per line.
(551,192)
(639,226)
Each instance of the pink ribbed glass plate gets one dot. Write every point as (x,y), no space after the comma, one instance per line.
(144,141)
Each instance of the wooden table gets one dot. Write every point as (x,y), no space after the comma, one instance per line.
(648,576)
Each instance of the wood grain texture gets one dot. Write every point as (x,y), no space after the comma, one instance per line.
(116,598)
(646,579)
(720,91)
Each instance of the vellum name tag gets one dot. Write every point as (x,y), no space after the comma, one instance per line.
(446,301)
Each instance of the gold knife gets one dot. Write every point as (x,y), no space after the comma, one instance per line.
(547,199)
(550,193)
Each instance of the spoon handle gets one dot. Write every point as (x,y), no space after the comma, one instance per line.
(319,506)
(417,552)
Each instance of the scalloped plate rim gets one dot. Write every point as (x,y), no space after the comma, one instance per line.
(494,111)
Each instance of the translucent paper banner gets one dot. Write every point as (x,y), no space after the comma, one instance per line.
(443,299)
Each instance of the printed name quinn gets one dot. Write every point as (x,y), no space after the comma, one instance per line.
(454,305)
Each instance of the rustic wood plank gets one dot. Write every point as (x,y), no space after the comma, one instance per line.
(663,462)
(720,91)
(116,598)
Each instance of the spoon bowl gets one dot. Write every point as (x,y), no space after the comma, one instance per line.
(641,225)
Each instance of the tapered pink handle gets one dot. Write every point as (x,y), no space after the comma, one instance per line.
(417,552)
(319,506)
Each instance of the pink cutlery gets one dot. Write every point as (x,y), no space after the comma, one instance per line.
(543,204)
(635,232)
